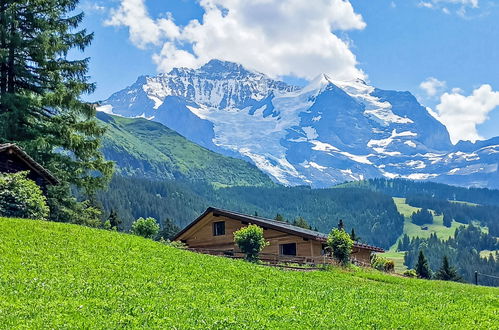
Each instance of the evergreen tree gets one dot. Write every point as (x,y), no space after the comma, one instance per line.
(406,242)
(341,226)
(446,272)
(353,236)
(400,246)
(279,217)
(40,105)
(447,220)
(302,223)
(114,221)
(422,268)
(169,230)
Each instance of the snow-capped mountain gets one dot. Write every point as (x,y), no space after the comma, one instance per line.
(325,133)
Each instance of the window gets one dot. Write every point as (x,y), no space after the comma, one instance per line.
(287,249)
(219,228)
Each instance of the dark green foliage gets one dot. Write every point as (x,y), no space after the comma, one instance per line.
(147,227)
(422,217)
(447,272)
(21,197)
(341,245)
(406,188)
(447,220)
(422,268)
(404,243)
(374,216)
(114,221)
(302,223)
(40,88)
(354,236)
(462,250)
(250,241)
(279,217)
(168,230)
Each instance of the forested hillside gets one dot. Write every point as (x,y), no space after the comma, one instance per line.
(406,188)
(373,215)
(144,148)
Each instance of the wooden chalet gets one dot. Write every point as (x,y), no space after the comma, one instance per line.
(13,159)
(213,231)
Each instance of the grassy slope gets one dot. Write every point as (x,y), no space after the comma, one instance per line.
(149,149)
(58,275)
(415,230)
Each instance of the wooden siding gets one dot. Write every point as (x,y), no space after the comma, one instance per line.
(201,236)
(12,163)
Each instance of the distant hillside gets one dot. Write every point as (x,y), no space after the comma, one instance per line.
(56,275)
(406,188)
(373,215)
(144,148)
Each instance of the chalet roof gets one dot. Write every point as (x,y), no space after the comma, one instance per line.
(36,167)
(272,224)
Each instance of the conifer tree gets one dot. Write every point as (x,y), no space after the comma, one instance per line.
(40,97)
(353,236)
(447,220)
(114,221)
(279,217)
(422,268)
(447,272)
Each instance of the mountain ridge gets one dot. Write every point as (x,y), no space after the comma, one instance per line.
(322,134)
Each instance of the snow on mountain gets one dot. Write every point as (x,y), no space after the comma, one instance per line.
(327,132)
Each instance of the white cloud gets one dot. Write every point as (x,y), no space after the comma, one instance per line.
(277,37)
(462,5)
(432,86)
(434,3)
(461,114)
(142,28)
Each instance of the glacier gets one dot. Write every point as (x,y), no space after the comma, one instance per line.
(320,135)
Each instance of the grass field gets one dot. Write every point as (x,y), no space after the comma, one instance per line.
(414,230)
(55,275)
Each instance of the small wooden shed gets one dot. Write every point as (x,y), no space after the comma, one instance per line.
(13,159)
(214,229)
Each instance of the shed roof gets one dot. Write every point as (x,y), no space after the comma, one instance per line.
(39,169)
(272,224)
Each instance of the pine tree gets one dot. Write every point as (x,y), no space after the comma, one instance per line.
(400,246)
(279,217)
(40,105)
(341,226)
(447,220)
(446,272)
(114,221)
(302,223)
(422,268)
(353,236)
(406,242)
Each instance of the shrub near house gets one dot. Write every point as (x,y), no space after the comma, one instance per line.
(21,197)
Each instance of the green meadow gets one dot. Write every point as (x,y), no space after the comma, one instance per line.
(55,275)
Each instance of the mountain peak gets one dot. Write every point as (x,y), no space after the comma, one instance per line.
(219,66)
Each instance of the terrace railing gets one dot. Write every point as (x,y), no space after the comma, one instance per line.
(272,259)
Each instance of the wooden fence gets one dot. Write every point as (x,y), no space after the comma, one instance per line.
(280,260)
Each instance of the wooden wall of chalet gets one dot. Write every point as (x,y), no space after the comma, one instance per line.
(201,236)
(11,163)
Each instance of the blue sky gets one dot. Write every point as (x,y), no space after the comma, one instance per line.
(444,51)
